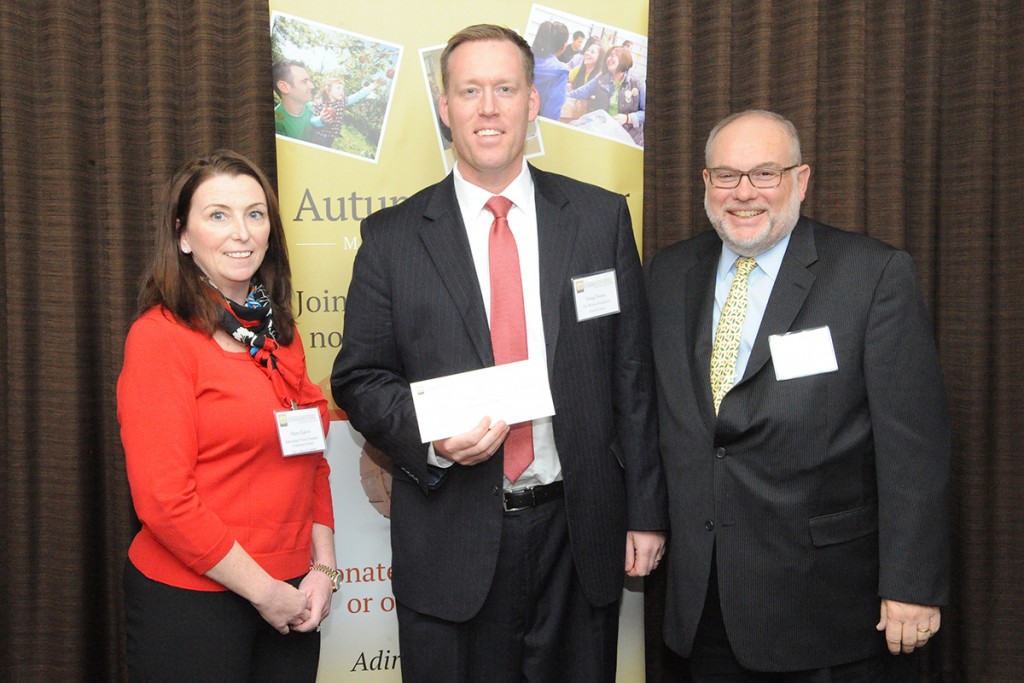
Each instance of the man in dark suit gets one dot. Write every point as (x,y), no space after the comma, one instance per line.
(503,573)
(809,493)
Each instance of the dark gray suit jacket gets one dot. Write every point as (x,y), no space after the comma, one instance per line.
(819,494)
(415,311)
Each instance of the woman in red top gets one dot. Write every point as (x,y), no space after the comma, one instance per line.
(234,567)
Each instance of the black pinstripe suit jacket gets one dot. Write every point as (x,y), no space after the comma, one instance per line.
(820,493)
(415,311)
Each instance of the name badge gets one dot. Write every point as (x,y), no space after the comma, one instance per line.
(803,353)
(300,431)
(596,295)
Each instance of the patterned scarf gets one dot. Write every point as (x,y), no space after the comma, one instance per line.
(252,323)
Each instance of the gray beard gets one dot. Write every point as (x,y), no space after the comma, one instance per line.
(778,227)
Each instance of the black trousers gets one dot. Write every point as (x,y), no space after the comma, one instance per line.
(712,659)
(177,635)
(535,625)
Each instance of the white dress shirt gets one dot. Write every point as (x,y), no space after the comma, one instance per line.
(522,220)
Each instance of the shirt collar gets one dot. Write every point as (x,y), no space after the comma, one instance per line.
(770,261)
(472,198)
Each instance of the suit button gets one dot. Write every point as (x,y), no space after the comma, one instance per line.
(719,453)
(709,525)
(495,490)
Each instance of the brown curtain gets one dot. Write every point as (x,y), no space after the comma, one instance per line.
(911,115)
(99,102)
(912,118)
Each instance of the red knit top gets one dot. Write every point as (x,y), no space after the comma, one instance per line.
(204,458)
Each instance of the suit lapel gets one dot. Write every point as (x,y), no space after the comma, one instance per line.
(700,298)
(557,226)
(788,295)
(444,236)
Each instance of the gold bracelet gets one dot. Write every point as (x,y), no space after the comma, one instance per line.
(330,571)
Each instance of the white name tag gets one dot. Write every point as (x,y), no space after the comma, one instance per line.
(803,353)
(596,295)
(300,431)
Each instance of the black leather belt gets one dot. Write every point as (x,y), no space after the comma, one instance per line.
(532,497)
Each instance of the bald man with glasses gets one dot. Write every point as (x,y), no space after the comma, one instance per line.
(803,430)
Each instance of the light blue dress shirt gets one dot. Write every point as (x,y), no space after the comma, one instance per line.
(759,289)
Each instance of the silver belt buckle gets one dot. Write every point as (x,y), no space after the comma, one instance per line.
(533,496)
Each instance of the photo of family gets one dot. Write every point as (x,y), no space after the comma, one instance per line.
(332,88)
(589,75)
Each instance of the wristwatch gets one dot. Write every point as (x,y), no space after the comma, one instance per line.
(334,574)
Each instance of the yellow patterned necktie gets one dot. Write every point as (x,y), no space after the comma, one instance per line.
(727,336)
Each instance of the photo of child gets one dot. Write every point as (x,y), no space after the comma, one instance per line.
(331,105)
(332,88)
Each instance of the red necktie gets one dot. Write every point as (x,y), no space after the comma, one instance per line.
(508,324)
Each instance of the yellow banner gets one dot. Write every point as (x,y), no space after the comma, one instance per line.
(363,133)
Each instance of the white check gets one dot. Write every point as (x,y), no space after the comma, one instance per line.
(454,404)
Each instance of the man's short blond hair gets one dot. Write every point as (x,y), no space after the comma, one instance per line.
(478,32)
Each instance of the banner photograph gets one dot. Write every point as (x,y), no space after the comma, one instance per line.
(356,111)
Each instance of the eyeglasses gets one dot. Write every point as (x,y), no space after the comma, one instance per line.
(762,177)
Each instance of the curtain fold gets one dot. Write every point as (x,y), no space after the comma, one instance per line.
(911,115)
(99,103)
